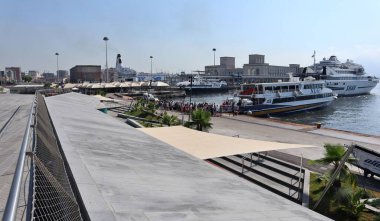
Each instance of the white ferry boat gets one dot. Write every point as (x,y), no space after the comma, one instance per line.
(263,99)
(345,79)
(199,84)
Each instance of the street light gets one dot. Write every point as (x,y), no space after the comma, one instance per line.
(105,40)
(57,63)
(214,49)
(151,65)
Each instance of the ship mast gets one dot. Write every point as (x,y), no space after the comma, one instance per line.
(314,61)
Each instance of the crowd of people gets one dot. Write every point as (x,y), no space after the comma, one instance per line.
(185,107)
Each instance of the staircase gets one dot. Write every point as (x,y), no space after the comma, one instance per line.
(120,109)
(282,178)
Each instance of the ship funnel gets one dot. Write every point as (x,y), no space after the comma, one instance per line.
(118,62)
(324,72)
(118,59)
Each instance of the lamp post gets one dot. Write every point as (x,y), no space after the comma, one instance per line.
(105,40)
(57,54)
(191,94)
(214,49)
(151,65)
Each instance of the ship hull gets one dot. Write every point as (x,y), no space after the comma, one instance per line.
(285,108)
(206,90)
(351,87)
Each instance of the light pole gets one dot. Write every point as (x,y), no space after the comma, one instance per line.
(105,40)
(57,54)
(214,49)
(151,65)
(191,93)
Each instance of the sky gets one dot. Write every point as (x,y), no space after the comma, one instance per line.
(180,34)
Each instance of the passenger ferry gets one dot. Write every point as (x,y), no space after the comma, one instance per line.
(202,85)
(265,99)
(345,79)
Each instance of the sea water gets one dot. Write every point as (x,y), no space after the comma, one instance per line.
(357,114)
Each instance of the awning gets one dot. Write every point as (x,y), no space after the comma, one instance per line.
(207,145)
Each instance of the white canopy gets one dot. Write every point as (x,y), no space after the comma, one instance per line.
(145,84)
(207,145)
(69,86)
(109,85)
(136,84)
(116,83)
(159,84)
(126,84)
(97,86)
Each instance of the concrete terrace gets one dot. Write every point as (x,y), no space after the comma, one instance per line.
(14,112)
(124,174)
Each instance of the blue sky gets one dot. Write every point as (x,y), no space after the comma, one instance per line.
(180,34)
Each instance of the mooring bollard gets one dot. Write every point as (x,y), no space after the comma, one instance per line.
(319,125)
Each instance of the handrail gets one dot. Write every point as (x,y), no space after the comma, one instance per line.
(10,211)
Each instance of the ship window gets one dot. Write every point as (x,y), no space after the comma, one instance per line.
(259,100)
(268,88)
(284,88)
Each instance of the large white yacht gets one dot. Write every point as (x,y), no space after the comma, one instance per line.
(345,79)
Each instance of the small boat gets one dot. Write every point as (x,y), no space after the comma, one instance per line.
(266,99)
(149,97)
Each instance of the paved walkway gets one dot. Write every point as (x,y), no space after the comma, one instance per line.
(266,129)
(277,131)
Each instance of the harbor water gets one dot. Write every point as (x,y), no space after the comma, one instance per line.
(359,114)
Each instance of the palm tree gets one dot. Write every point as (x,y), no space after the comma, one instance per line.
(200,120)
(333,155)
(169,119)
(350,200)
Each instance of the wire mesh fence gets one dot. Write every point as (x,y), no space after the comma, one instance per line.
(53,196)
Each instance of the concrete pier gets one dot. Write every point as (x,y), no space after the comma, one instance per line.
(273,130)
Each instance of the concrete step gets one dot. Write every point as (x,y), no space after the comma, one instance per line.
(280,182)
(278,176)
(254,175)
(270,164)
(255,178)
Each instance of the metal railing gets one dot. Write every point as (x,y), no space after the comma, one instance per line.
(10,211)
(53,194)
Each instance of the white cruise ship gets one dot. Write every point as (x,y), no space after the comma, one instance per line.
(345,79)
